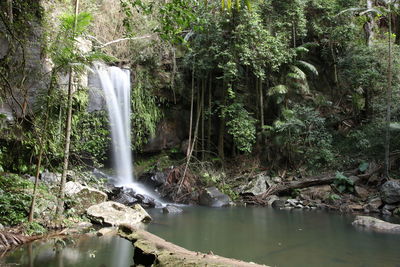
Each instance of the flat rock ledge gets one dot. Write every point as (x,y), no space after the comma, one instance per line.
(151,250)
(377,225)
(114,214)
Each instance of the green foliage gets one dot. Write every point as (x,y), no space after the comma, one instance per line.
(34,228)
(302,137)
(343,184)
(241,126)
(91,138)
(145,109)
(15,198)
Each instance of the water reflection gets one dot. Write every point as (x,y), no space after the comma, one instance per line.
(86,250)
(278,238)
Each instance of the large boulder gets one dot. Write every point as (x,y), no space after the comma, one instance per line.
(114,214)
(256,186)
(82,197)
(212,197)
(375,224)
(50,178)
(390,192)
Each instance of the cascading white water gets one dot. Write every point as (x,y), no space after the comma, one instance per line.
(117,88)
(117,92)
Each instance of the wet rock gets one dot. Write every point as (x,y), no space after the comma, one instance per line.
(172,209)
(361,192)
(212,197)
(50,178)
(396,212)
(1,227)
(280,203)
(115,214)
(146,201)
(389,207)
(390,192)
(356,207)
(82,197)
(292,202)
(107,231)
(153,179)
(375,224)
(271,199)
(256,186)
(373,205)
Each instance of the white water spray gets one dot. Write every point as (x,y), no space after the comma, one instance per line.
(117,92)
(117,89)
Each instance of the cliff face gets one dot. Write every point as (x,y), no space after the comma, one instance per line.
(23,67)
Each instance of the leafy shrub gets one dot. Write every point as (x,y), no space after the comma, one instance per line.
(343,183)
(15,199)
(301,137)
(34,228)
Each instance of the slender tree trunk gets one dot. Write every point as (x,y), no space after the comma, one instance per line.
(191,116)
(369,26)
(221,133)
(261,103)
(203,89)
(388,99)
(60,207)
(209,115)
(41,150)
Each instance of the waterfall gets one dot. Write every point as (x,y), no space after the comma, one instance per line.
(116,85)
(117,89)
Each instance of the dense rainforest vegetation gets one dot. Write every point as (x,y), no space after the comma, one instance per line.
(291,87)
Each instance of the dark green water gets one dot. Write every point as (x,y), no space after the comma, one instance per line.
(277,237)
(261,235)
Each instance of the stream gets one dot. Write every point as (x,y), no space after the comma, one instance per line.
(261,235)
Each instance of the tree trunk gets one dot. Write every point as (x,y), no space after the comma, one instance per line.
(209,115)
(41,149)
(60,206)
(191,116)
(203,89)
(388,100)
(261,104)
(370,25)
(221,130)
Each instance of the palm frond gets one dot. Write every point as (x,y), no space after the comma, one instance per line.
(297,73)
(278,90)
(307,66)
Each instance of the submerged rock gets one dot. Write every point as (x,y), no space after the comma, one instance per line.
(115,214)
(83,196)
(279,203)
(375,224)
(172,209)
(212,197)
(271,199)
(390,192)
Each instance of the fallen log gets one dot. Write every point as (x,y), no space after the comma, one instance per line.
(151,250)
(285,187)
